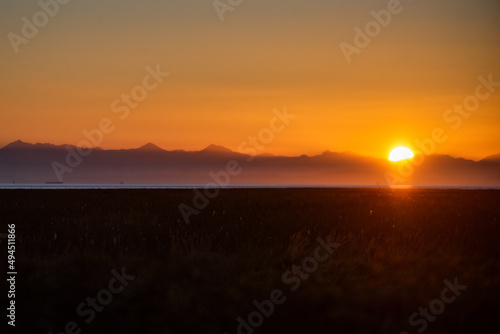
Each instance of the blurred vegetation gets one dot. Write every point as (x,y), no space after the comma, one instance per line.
(397,247)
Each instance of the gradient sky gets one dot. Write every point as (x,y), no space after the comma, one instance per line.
(227,77)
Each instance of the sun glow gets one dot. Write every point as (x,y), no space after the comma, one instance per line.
(400,153)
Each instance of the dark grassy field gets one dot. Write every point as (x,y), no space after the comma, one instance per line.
(396,249)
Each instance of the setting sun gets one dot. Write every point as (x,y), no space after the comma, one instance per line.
(400,153)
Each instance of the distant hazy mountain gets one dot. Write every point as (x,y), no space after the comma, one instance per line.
(492,158)
(22,162)
(217,149)
(150,148)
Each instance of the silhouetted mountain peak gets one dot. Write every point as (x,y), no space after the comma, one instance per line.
(494,158)
(445,157)
(329,153)
(150,147)
(18,144)
(216,149)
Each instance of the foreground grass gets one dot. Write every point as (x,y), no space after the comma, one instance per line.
(396,248)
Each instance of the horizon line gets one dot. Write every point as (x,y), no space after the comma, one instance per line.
(221,147)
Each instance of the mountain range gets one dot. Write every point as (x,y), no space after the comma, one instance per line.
(22,162)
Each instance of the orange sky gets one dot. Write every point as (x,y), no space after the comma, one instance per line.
(227,77)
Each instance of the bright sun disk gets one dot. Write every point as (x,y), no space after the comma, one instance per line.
(400,153)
